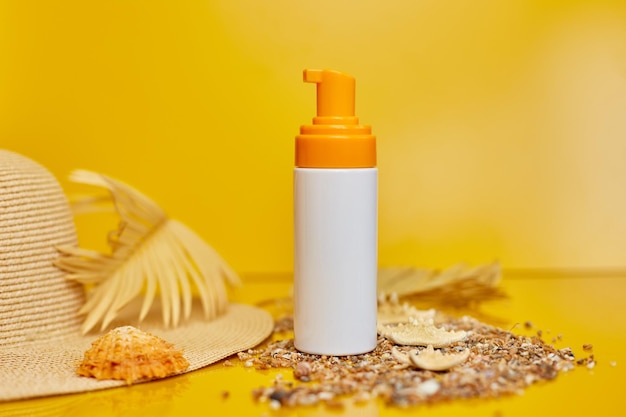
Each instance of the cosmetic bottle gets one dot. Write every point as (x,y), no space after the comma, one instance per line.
(335,224)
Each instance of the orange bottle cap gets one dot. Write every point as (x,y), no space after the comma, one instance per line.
(335,139)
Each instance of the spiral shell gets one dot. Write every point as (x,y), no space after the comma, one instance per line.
(131,355)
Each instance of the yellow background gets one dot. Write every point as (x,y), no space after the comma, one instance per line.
(501,124)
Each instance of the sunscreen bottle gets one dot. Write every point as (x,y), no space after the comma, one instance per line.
(335,224)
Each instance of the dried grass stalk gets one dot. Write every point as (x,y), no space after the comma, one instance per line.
(150,253)
(457,286)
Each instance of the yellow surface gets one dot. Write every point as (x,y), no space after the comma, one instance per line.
(500,124)
(583,309)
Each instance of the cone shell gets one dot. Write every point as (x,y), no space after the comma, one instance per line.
(131,355)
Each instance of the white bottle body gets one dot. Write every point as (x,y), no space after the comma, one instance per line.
(336,260)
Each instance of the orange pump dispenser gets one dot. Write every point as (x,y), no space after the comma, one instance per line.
(335,139)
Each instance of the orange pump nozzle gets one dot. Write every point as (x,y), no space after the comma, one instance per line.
(335,139)
(335,95)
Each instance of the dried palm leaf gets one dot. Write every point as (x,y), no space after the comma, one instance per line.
(149,252)
(457,286)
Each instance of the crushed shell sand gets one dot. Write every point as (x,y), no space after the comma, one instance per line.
(495,363)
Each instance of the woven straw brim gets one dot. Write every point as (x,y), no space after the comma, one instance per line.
(49,367)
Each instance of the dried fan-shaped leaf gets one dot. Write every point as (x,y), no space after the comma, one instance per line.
(128,354)
(434,360)
(458,285)
(150,252)
(420,332)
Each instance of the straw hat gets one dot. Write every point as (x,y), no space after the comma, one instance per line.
(40,339)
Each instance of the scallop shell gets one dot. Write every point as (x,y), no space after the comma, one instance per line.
(131,355)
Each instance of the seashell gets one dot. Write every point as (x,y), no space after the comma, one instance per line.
(400,357)
(433,360)
(390,313)
(420,332)
(430,359)
(131,355)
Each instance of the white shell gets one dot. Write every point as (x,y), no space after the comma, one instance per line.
(420,332)
(430,359)
(433,360)
(389,313)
